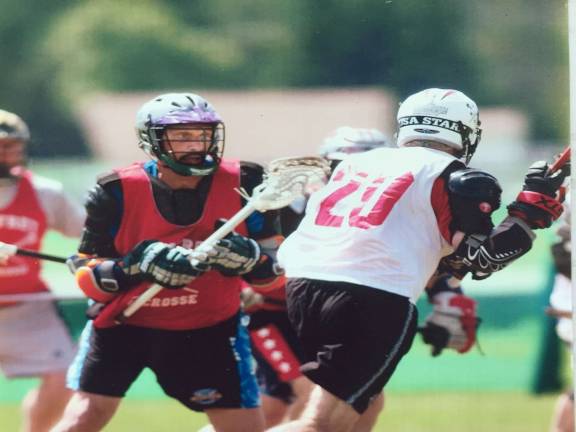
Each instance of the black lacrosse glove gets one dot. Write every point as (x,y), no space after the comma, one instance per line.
(161,263)
(537,204)
(234,255)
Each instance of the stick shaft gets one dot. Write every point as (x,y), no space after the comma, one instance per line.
(230,224)
(561,161)
(139,302)
(557,313)
(40,296)
(39,255)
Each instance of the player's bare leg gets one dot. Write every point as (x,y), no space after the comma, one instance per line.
(43,406)
(275,410)
(368,419)
(324,413)
(563,420)
(302,387)
(236,419)
(87,412)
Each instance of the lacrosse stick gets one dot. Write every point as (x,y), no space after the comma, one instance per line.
(559,163)
(42,256)
(8,250)
(285,180)
(40,296)
(557,313)
(562,160)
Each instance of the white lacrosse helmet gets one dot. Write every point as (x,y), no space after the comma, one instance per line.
(447,116)
(13,127)
(347,140)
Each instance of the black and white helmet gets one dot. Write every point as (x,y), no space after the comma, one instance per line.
(447,116)
(180,109)
(347,140)
(13,127)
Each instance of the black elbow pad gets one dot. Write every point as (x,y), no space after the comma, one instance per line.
(474,195)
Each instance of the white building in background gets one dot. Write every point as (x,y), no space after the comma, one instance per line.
(265,124)
(260,125)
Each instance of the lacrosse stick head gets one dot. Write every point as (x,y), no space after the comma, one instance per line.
(288,178)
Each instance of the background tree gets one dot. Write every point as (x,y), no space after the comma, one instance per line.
(512,53)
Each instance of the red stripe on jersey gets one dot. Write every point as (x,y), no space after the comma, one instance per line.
(441,206)
(271,345)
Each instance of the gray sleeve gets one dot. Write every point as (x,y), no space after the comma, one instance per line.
(62,213)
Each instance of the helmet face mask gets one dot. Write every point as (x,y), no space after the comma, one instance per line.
(196,149)
(183,131)
(445,116)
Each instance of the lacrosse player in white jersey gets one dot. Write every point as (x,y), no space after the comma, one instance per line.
(34,340)
(284,389)
(374,236)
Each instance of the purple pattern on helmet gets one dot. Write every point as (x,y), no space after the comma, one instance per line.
(189,115)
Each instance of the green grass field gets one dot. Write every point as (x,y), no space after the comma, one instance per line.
(404,412)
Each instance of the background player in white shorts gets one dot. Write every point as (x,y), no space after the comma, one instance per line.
(561,307)
(34,341)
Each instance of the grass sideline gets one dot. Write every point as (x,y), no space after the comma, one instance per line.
(404,412)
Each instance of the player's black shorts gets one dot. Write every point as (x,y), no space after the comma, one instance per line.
(203,368)
(277,352)
(352,336)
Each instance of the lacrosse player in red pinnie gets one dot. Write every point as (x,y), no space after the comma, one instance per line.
(143,222)
(372,240)
(34,340)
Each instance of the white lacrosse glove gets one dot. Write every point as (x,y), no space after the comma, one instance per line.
(234,255)
(6,251)
(452,323)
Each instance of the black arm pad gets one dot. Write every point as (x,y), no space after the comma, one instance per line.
(484,255)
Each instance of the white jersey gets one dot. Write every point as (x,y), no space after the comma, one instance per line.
(373,224)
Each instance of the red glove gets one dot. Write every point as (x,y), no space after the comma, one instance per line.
(452,323)
(540,202)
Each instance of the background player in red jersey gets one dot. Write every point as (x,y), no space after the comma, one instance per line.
(34,340)
(143,221)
